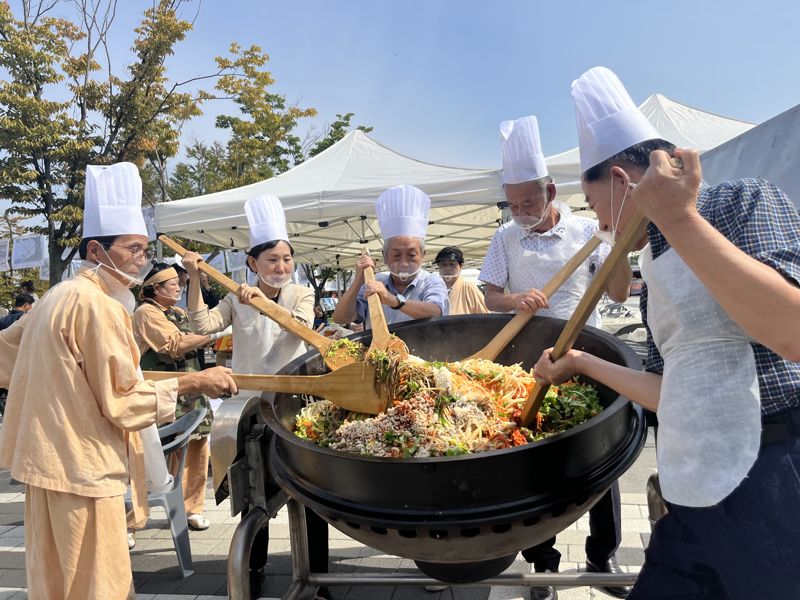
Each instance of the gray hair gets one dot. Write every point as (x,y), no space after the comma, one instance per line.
(385,249)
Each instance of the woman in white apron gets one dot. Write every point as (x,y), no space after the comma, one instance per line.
(260,346)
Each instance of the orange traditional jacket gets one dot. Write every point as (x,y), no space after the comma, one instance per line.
(70,367)
(466,299)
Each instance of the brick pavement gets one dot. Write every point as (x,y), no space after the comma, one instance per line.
(156,573)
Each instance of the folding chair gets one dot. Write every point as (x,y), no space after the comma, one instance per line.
(175,438)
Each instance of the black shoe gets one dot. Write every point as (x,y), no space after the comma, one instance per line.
(610,566)
(544,592)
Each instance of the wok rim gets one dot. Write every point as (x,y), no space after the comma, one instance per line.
(629,358)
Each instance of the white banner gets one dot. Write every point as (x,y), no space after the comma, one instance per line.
(4,266)
(237,261)
(28,251)
(218,262)
(149,214)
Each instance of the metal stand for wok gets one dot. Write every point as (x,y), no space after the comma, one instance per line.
(302,578)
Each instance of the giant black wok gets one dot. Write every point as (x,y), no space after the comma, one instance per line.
(462,518)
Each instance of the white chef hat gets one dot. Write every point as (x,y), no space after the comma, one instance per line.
(113,201)
(266,219)
(608,120)
(402,210)
(523,159)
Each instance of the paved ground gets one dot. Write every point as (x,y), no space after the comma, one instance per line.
(157,577)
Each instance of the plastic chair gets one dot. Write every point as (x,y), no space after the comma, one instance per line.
(175,438)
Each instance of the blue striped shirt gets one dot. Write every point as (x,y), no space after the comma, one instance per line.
(425,287)
(762,222)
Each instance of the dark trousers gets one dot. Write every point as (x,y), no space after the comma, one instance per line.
(745,547)
(602,542)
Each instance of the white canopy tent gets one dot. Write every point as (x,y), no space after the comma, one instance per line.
(329,199)
(770,151)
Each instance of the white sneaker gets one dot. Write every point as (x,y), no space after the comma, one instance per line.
(131,541)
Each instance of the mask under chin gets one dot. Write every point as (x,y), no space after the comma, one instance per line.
(276,282)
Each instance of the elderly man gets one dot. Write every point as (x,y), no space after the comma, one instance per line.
(723,373)
(407,291)
(76,401)
(523,256)
(465,297)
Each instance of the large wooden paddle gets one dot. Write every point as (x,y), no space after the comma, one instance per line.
(634,231)
(495,346)
(381,338)
(352,387)
(334,358)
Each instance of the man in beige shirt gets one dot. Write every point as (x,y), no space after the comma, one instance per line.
(76,399)
(465,297)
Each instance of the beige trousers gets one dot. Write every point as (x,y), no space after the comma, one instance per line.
(75,547)
(195,475)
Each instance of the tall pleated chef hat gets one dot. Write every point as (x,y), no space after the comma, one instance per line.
(266,219)
(113,201)
(402,210)
(608,121)
(523,159)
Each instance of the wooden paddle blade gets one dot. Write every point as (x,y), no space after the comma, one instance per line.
(272,310)
(496,345)
(381,338)
(635,230)
(353,387)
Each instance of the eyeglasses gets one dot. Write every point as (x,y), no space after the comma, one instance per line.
(137,251)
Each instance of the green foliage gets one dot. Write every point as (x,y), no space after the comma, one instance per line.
(262,141)
(335,132)
(46,143)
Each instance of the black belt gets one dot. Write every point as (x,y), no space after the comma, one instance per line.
(779,428)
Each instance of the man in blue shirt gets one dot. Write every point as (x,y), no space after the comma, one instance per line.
(407,291)
(722,290)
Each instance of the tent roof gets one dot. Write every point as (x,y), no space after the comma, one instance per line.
(329,199)
(753,154)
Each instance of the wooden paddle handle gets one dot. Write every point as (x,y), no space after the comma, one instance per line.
(491,350)
(315,385)
(275,312)
(634,231)
(380,330)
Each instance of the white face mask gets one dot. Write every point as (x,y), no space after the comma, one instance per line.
(116,289)
(611,236)
(174,298)
(449,273)
(276,281)
(529,222)
(398,271)
(132,280)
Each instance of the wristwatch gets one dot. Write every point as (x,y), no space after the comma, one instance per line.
(401,302)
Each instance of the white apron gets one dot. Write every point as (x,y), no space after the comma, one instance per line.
(533,269)
(709,416)
(260,346)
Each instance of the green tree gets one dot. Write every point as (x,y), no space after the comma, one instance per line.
(335,132)
(46,143)
(262,143)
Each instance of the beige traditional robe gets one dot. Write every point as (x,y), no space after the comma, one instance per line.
(74,397)
(466,299)
(152,330)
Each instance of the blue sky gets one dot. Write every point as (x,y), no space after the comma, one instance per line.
(435,77)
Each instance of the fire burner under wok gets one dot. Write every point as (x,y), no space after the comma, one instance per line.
(462,518)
